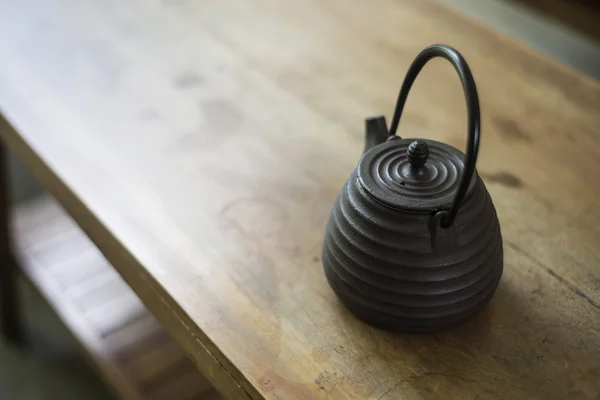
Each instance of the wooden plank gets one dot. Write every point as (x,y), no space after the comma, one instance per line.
(134,339)
(201,144)
(183,387)
(112,294)
(115,315)
(105,278)
(100,322)
(80,269)
(147,366)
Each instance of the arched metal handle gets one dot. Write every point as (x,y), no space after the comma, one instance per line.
(473,114)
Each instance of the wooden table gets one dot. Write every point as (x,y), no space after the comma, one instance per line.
(200,145)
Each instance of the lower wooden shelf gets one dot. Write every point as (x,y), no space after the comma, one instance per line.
(127,345)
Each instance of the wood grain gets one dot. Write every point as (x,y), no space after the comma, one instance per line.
(133,366)
(201,145)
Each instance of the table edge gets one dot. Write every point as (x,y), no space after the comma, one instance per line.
(203,352)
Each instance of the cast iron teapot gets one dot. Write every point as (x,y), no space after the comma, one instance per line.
(413,242)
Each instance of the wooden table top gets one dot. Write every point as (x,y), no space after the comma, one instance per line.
(201,145)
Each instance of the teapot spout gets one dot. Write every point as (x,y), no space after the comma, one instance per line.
(376,132)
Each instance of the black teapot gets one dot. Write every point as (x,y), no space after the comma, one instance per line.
(413,242)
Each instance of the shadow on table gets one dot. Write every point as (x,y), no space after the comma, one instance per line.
(526,344)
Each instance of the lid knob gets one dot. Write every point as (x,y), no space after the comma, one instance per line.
(418,153)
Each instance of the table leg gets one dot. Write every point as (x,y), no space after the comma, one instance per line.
(10,321)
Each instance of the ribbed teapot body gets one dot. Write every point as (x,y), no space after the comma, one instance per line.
(400,270)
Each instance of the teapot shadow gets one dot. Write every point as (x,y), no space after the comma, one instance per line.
(500,352)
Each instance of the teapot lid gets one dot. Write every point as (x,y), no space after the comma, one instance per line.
(413,175)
